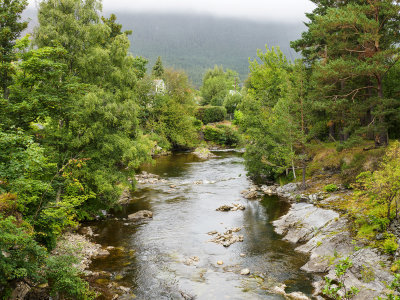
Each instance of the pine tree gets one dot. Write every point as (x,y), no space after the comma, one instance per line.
(361,47)
(158,69)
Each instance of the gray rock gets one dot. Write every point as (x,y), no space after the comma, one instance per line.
(368,274)
(233,207)
(288,188)
(326,248)
(140,215)
(303,222)
(327,240)
(227,238)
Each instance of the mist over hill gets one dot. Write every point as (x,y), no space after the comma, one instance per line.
(195,43)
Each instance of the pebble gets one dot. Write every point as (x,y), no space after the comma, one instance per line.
(220,262)
(245,272)
(242,255)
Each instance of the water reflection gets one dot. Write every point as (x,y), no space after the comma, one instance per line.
(153,254)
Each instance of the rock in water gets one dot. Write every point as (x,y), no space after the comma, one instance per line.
(140,215)
(233,207)
(203,153)
(228,238)
(245,272)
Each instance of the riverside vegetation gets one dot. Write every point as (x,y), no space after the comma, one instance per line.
(79,114)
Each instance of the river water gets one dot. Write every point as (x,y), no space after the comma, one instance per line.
(150,258)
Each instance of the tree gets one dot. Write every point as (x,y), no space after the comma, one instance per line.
(116,29)
(169,117)
(361,49)
(381,188)
(274,115)
(216,85)
(10,28)
(352,46)
(158,68)
(70,24)
(231,102)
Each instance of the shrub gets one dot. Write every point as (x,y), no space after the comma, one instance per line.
(390,245)
(211,114)
(237,117)
(65,280)
(222,134)
(336,289)
(20,255)
(331,188)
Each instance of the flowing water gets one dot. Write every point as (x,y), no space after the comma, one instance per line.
(151,255)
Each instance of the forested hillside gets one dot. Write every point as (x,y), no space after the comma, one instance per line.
(195,43)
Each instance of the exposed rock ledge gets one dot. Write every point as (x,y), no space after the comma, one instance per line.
(327,240)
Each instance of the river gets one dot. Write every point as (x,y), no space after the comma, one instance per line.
(150,257)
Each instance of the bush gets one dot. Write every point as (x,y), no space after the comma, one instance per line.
(65,280)
(222,134)
(20,255)
(331,188)
(211,114)
(390,245)
(237,117)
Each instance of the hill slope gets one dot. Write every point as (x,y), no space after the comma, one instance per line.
(198,42)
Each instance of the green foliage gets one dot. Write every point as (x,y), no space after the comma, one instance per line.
(394,287)
(231,102)
(330,188)
(390,243)
(158,69)
(222,135)
(237,117)
(274,115)
(336,288)
(66,280)
(170,115)
(10,29)
(380,188)
(216,85)
(211,114)
(348,71)
(20,255)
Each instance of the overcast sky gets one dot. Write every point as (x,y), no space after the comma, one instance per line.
(259,10)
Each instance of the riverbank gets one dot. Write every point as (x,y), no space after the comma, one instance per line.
(326,236)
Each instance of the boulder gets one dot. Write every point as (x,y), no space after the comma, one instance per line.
(366,274)
(203,153)
(303,222)
(140,215)
(287,188)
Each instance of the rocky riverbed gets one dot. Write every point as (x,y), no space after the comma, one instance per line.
(324,235)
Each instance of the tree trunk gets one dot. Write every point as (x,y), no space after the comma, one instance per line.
(381,135)
(294,170)
(303,182)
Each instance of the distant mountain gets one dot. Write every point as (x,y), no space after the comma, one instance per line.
(198,42)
